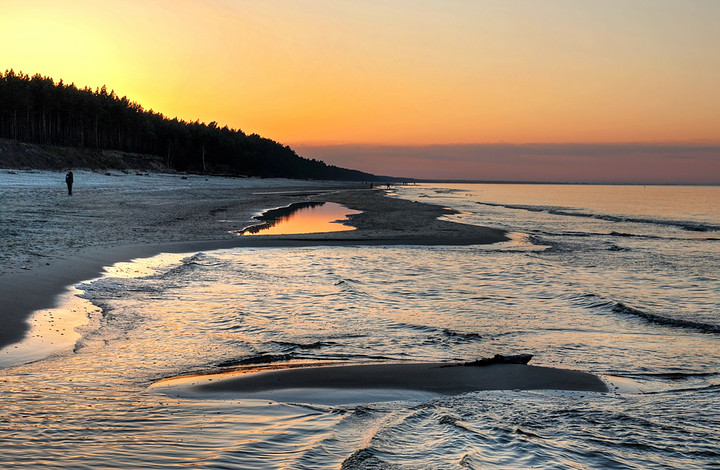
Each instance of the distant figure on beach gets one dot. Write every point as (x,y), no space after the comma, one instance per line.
(69,181)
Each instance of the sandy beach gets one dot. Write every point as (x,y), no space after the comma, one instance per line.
(350,346)
(54,241)
(50,241)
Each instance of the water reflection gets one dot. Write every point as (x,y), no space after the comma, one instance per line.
(51,330)
(303,217)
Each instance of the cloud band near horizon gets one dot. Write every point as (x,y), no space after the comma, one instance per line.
(690,163)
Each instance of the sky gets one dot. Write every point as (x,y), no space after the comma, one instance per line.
(552,90)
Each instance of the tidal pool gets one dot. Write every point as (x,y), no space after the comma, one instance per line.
(306,217)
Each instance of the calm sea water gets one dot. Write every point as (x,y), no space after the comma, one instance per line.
(616,280)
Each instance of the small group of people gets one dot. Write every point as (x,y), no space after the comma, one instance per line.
(69,181)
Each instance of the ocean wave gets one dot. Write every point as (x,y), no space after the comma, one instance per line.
(436,335)
(258,359)
(272,358)
(613,233)
(287,351)
(187,264)
(314,345)
(700,389)
(674,375)
(364,458)
(461,336)
(619,307)
(592,301)
(114,288)
(691,226)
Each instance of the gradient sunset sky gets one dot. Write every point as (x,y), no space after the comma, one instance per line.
(551,90)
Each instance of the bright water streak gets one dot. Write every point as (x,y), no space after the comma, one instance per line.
(640,307)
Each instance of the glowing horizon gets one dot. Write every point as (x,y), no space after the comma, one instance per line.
(401,72)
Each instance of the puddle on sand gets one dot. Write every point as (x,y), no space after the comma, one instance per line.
(308,217)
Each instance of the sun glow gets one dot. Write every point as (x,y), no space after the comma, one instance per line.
(391,73)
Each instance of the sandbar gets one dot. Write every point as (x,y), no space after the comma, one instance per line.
(333,384)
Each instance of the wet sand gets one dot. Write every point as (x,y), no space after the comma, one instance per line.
(51,241)
(347,383)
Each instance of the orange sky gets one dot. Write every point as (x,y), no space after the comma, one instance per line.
(392,72)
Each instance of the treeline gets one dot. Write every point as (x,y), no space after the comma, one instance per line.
(38,110)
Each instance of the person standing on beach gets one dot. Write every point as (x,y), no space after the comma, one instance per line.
(69,181)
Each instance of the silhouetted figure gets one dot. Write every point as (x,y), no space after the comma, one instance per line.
(69,181)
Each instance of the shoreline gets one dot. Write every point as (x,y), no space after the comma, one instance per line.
(383,221)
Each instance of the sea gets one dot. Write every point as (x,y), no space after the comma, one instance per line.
(622,281)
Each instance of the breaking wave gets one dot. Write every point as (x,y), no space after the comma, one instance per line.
(621,308)
(691,226)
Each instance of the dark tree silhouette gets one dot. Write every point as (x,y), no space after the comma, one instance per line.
(37,110)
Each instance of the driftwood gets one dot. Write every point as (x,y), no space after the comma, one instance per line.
(500,359)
